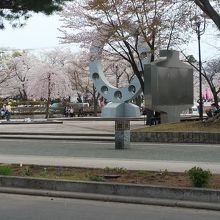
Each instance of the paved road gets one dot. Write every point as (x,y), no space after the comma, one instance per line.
(142,151)
(19,207)
(173,157)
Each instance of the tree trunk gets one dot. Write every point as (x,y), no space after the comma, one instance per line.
(48,96)
(24,95)
(134,65)
(48,108)
(138,74)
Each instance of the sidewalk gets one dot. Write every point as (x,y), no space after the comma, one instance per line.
(65,125)
(129,164)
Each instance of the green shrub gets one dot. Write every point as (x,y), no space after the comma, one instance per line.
(164,172)
(143,173)
(199,177)
(44,173)
(95,178)
(26,171)
(5,170)
(119,170)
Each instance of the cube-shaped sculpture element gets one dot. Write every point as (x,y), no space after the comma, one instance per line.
(168,82)
(120,110)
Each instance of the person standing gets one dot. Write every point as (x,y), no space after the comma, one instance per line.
(81,112)
(157,119)
(213,109)
(66,111)
(150,116)
(72,112)
(8,111)
(3,110)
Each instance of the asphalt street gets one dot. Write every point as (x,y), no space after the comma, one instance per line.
(153,156)
(20,207)
(137,151)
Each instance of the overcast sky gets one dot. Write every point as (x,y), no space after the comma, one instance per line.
(41,33)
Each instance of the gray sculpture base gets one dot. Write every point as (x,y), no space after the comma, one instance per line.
(115,110)
(122,134)
(171,114)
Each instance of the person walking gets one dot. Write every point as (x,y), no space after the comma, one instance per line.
(8,111)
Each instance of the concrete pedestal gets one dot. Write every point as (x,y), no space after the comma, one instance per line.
(122,134)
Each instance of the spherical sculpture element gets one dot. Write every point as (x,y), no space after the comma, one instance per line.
(132,89)
(95,76)
(118,95)
(104,89)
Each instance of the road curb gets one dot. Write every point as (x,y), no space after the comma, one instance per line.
(31,122)
(65,138)
(112,198)
(176,137)
(56,134)
(115,192)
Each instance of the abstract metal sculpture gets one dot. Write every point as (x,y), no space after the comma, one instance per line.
(118,107)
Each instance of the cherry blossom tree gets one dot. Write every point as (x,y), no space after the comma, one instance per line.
(117,71)
(20,67)
(210,72)
(132,29)
(49,80)
(212,75)
(7,84)
(77,70)
(4,73)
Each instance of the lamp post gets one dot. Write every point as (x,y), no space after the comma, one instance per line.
(199,31)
